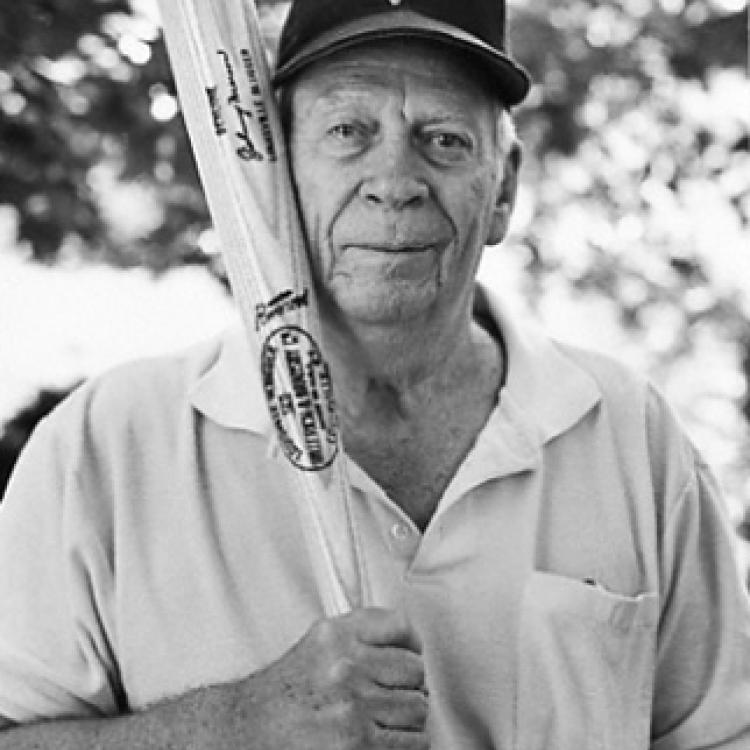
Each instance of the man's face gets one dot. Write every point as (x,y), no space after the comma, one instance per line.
(395,158)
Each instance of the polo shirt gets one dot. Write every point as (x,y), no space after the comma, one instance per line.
(576,587)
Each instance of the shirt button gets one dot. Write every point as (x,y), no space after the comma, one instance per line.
(400,532)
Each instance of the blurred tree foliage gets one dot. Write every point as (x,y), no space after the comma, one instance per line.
(625,150)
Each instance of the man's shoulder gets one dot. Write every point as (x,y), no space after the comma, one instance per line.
(171,375)
(147,389)
(616,380)
(635,406)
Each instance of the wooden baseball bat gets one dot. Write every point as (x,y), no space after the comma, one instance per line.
(223,81)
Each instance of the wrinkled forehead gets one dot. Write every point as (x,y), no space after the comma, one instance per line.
(427,69)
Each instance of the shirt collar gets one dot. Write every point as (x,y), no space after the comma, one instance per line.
(229,391)
(546,394)
(546,391)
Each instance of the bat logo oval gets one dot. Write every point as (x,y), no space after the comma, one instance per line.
(297,384)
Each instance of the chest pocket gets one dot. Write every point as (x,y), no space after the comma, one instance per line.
(585,662)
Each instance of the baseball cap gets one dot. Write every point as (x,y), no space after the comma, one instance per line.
(317,28)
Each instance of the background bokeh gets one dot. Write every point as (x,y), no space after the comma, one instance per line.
(631,235)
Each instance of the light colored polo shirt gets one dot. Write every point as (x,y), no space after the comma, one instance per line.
(575,589)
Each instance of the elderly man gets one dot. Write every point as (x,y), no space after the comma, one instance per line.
(544,546)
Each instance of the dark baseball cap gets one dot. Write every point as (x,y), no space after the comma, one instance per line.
(317,28)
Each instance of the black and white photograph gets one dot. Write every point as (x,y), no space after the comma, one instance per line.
(374,374)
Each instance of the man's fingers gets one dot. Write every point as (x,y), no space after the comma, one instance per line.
(399,709)
(384,627)
(392,667)
(399,739)
(368,664)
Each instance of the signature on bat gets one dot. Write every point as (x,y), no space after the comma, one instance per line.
(286,301)
(246,149)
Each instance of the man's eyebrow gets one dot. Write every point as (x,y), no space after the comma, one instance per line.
(441,118)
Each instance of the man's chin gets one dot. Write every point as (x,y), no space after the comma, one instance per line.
(397,304)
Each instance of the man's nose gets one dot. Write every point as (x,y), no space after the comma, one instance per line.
(395,182)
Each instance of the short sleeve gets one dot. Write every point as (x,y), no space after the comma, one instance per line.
(702,685)
(57,640)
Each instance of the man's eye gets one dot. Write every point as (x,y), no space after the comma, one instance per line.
(449,141)
(344,131)
(346,138)
(446,147)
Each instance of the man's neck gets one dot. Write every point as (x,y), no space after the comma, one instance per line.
(395,372)
(411,404)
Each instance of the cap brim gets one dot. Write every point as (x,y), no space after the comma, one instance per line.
(512,80)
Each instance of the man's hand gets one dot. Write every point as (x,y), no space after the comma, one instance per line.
(352,682)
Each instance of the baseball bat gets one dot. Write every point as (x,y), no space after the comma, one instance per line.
(221,71)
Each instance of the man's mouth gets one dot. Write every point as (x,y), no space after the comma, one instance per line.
(388,261)
(389,248)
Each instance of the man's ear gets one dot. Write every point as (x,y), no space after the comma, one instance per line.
(506,197)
